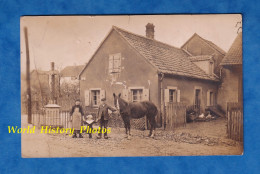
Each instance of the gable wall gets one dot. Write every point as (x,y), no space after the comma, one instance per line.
(230,89)
(198,47)
(135,71)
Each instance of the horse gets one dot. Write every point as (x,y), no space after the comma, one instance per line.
(136,110)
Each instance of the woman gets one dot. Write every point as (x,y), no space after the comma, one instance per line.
(76,118)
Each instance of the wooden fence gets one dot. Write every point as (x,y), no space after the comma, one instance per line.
(40,118)
(175,115)
(235,121)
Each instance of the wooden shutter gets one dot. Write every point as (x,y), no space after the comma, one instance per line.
(146,95)
(102,94)
(178,95)
(117,62)
(166,96)
(208,98)
(125,94)
(87,98)
(110,64)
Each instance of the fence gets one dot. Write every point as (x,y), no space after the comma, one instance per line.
(117,121)
(62,119)
(235,121)
(175,115)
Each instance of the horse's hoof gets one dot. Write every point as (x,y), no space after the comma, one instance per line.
(128,137)
(152,136)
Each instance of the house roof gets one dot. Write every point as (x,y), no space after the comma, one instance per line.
(200,58)
(166,58)
(41,72)
(234,54)
(71,71)
(211,44)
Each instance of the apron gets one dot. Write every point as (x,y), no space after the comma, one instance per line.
(76,119)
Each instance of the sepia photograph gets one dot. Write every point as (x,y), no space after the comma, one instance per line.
(131,85)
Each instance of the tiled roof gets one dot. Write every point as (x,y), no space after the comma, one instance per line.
(71,71)
(167,59)
(234,55)
(200,58)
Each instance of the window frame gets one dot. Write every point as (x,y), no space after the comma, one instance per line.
(97,99)
(132,89)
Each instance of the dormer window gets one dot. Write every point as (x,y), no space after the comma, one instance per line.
(114,63)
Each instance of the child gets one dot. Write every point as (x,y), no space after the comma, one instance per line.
(89,124)
(76,118)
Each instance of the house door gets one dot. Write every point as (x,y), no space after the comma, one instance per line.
(197,98)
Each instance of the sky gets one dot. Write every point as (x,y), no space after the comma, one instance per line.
(72,40)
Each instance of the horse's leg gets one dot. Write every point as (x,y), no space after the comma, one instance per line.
(125,123)
(128,128)
(153,126)
(149,121)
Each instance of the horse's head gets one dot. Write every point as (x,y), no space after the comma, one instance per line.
(116,101)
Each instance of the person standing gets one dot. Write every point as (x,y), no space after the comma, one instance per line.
(76,118)
(103,116)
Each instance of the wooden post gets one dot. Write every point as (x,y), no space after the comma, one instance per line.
(29,103)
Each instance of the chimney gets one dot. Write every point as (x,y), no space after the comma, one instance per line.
(150,30)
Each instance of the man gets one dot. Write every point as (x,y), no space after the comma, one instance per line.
(103,117)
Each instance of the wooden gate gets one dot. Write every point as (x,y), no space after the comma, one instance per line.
(175,115)
(235,121)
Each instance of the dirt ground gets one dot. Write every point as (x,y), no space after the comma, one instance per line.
(200,138)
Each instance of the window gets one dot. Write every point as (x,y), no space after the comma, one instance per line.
(137,95)
(172,95)
(95,97)
(115,63)
(211,98)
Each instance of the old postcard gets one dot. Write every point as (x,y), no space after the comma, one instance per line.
(141,85)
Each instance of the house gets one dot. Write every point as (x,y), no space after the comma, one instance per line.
(70,74)
(231,89)
(209,54)
(142,68)
(69,86)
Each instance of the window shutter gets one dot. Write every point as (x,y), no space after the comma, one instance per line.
(146,95)
(125,94)
(87,101)
(178,95)
(102,94)
(117,62)
(208,98)
(110,64)
(166,96)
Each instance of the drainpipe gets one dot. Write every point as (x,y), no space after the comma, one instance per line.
(162,101)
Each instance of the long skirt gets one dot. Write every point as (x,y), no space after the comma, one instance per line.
(76,120)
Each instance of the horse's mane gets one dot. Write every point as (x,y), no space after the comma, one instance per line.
(123,101)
